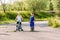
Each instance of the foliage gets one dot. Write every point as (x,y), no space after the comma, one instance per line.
(17,5)
(40,14)
(36,4)
(27,5)
(51,6)
(25,14)
(11,15)
(54,22)
(58,5)
(2,16)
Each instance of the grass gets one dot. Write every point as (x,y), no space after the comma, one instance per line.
(24,20)
(7,22)
(40,19)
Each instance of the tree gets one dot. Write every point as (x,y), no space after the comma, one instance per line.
(3,5)
(36,4)
(17,5)
(58,4)
(51,6)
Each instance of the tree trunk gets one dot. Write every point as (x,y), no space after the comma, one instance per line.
(3,5)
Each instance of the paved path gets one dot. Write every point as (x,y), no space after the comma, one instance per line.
(42,32)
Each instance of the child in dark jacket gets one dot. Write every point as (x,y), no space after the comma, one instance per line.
(32,21)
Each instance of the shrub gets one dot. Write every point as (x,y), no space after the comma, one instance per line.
(54,22)
(11,15)
(26,15)
(40,14)
(2,16)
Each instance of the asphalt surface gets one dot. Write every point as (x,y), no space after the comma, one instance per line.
(42,32)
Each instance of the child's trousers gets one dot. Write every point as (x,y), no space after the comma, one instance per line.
(32,28)
(18,27)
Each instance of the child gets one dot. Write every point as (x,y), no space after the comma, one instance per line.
(19,20)
(32,21)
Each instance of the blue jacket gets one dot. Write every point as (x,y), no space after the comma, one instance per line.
(32,21)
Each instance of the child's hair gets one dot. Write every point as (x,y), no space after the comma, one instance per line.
(19,12)
(32,13)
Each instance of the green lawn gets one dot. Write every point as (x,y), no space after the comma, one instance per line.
(24,20)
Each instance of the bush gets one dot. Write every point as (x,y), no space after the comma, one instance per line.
(11,15)
(40,14)
(54,22)
(25,15)
(2,16)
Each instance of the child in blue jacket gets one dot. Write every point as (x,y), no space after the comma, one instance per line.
(32,21)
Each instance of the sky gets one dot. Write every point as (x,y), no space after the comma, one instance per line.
(9,1)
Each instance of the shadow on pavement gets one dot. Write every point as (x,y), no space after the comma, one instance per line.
(31,31)
(4,34)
